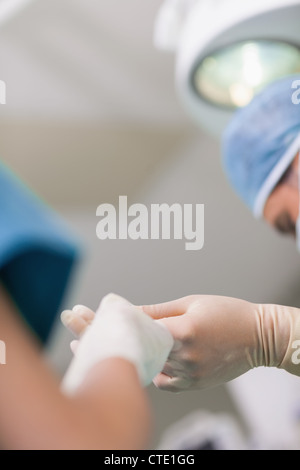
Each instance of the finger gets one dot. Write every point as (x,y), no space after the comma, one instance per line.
(170,384)
(167,309)
(73,322)
(174,369)
(74,345)
(176,327)
(85,313)
(170,371)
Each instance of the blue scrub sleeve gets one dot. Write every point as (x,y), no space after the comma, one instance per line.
(37,254)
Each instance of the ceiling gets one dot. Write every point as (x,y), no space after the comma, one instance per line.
(79,165)
(87,60)
(91,108)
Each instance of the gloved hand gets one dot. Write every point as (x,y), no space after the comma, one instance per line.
(219,338)
(76,321)
(119,329)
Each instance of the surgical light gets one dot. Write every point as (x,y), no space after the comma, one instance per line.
(232,76)
(227,51)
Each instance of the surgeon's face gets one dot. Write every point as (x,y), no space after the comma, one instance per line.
(282,207)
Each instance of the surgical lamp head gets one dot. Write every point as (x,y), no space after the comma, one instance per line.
(227,52)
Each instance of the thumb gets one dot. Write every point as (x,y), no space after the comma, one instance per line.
(167,309)
(173,325)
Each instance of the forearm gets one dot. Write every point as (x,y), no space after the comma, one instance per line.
(268,335)
(110,410)
(264,334)
(280,336)
(124,419)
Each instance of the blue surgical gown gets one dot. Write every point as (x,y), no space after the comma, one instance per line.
(38,254)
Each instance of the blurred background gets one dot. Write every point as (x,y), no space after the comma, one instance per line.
(92,113)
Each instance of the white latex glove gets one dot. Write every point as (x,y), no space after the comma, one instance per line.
(219,338)
(123,330)
(76,321)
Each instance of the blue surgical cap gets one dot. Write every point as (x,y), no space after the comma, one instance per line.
(261,141)
(37,254)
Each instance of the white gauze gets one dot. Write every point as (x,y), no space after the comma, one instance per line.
(123,330)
